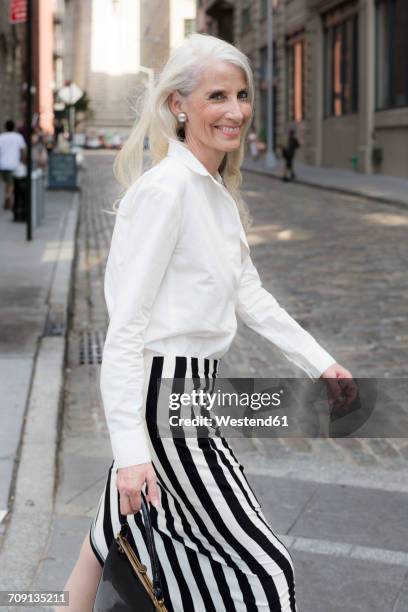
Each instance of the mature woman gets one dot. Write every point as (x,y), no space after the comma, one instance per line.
(179,271)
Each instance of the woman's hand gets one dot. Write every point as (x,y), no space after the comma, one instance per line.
(342,389)
(130,481)
(336,371)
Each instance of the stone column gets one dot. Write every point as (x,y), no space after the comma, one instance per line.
(314,90)
(366,69)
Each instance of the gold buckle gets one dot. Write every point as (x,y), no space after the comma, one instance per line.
(140,570)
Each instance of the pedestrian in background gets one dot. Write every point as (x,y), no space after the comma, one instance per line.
(253,144)
(12,152)
(288,153)
(40,154)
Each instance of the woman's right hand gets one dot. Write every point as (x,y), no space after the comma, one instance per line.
(130,481)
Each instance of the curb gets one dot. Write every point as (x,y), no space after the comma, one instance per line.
(29,519)
(299,181)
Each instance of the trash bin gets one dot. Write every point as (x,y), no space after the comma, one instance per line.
(37,197)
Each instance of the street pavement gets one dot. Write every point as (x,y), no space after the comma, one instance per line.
(29,276)
(379,187)
(35,280)
(337,263)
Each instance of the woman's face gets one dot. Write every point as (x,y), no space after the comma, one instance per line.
(218,108)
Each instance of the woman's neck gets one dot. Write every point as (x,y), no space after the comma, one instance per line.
(210,158)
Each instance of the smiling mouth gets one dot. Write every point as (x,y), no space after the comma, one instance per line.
(225,129)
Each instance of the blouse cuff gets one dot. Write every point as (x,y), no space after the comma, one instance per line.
(130,447)
(318,361)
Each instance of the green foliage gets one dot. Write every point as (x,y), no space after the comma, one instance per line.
(262,135)
(83,104)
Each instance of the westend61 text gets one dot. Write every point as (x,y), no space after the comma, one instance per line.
(228,421)
(199,397)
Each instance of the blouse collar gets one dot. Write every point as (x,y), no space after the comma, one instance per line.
(180,151)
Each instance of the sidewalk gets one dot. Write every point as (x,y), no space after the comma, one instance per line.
(35,280)
(379,187)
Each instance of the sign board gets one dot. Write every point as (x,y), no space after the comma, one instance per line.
(18,11)
(62,171)
(70,94)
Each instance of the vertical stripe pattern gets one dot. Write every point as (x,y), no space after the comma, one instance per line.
(217,552)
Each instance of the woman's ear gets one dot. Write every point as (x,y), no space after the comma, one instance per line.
(175,103)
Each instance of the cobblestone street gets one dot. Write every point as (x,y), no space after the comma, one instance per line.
(338,265)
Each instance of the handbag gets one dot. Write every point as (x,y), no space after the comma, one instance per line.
(124,585)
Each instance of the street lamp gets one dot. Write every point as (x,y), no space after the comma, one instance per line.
(270,154)
(29,112)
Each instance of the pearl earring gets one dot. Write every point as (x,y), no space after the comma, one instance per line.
(181,118)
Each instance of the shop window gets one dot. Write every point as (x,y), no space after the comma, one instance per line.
(391,54)
(296,79)
(341,64)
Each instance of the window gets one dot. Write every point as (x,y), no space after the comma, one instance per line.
(296,79)
(245,15)
(341,66)
(391,50)
(189,27)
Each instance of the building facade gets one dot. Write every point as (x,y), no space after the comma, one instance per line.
(102,56)
(159,36)
(182,20)
(46,18)
(12,68)
(154,33)
(340,75)
(108,43)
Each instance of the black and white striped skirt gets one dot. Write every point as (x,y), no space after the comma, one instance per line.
(216,549)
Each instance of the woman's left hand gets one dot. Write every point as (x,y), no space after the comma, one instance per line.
(341,387)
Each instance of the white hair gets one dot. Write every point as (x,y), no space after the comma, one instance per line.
(182,73)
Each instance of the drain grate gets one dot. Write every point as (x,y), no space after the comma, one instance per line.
(91,346)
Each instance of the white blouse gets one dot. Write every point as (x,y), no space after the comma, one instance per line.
(178,272)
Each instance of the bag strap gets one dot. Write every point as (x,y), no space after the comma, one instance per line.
(157,586)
